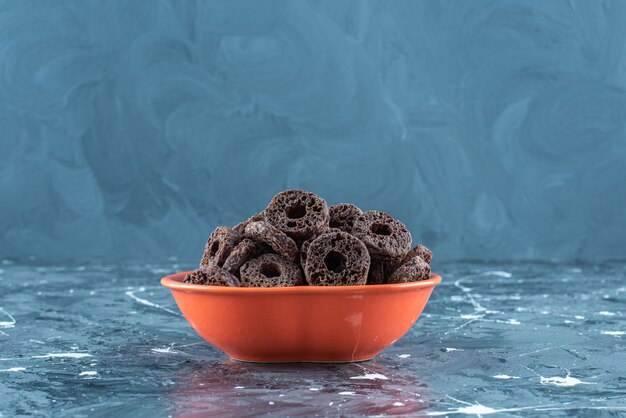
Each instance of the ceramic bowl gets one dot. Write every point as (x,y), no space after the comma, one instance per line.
(301,323)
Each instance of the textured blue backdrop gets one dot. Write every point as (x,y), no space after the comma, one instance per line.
(493,129)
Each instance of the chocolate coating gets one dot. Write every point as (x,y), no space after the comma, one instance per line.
(219,246)
(304,248)
(270,270)
(376,274)
(337,259)
(421,251)
(244,251)
(240,228)
(298,213)
(213,276)
(414,270)
(385,237)
(343,215)
(265,232)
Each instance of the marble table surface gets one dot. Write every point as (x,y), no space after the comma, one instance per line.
(86,338)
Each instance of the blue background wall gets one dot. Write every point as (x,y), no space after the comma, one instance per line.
(492,129)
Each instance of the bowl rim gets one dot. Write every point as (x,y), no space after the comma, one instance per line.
(175,282)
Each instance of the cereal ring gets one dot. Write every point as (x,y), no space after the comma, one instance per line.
(270,270)
(298,214)
(414,270)
(304,248)
(381,270)
(243,252)
(419,250)
(272,236)
(385,237)
(219,245)
(241,226)
(212,276)
(337,259)
(390,266)
(343,215)
(376,274)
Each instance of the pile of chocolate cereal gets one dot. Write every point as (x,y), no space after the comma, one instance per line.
(299,240)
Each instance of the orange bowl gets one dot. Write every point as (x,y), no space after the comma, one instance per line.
(301,323)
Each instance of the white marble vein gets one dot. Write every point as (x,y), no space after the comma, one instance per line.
(64,355)
(13,369)
(566,381)
(145,302)
(370,376)
(6,324)
(88,373)
(166,350)
(614,333)
(498,273)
